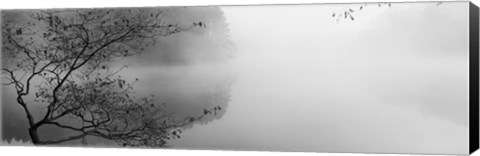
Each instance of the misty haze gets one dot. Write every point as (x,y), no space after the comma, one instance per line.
(376,77)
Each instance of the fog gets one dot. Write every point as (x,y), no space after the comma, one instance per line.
(392,81)
(188,72)
(395,80)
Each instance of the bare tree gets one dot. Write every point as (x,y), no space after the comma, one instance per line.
(62,59)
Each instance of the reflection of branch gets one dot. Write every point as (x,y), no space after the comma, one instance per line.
(70,53)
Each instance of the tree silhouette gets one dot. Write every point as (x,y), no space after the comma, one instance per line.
(62,59)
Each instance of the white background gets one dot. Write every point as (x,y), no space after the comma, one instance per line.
(24,4)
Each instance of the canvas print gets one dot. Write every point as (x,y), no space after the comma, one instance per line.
(357,77)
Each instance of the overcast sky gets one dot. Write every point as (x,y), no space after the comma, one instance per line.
(395,80)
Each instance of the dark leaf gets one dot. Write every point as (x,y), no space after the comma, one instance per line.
(120,84)
(19,31)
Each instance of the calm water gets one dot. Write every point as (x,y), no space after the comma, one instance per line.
(395,80)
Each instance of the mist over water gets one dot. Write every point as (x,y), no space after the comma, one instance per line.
(187,72)
(395,80)
(386,82)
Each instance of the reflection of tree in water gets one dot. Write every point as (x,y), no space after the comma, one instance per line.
(190,70)
(70,69)
(216,96)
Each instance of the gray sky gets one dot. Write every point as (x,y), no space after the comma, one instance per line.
(393,81)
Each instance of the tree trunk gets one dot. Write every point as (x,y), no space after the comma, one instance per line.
(34,135)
